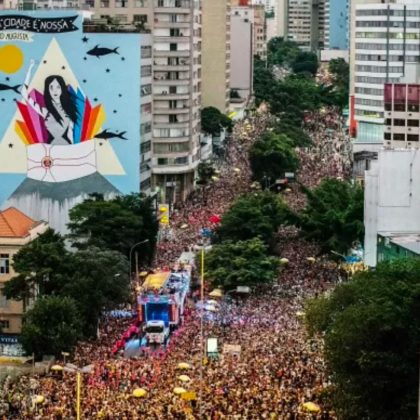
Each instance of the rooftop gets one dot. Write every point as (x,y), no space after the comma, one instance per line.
(15,224)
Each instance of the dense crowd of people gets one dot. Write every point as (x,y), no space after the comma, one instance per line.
(275,367)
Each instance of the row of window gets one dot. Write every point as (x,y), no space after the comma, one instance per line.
(387,12)
(379,69)
(399,122)
(376,57)
(375,80)
(146,51)
(146,184)
(370,102)
(146,71)
(402,107)
(146,90)
(401,137)
(376,46)
(173,161)
(146,146)
(145,128)
(4,263)
(171,147)
(369,91)
(389,35)
(386,24)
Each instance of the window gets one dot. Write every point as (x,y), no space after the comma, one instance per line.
(399,107)
(388,121)
(145,128)
(173,119)
(172,90)
(146,51)
(387,136)
(146,71)
(4,264)
(162,161)
(121,3)
(413,123)
(399,123)
(173,47)
(146,90)
(413,108)
(412,137)
(174,32)
(146,146)
(140,19)
(399,136)
(140,3)
(4,324)
(145,185)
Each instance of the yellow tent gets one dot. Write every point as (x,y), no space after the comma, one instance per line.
(312,407)
(184,378)
(178,390)
(183,365)
(139,392)
(57,367)
(284,261)
(311,259)
(216,293)
(39,399)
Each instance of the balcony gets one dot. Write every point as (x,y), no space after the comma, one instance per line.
(163,67)
(169,139)
(171,25)
(167,53)
(172,96)
(183,82)
(172,39)
(171,111)
(172,6)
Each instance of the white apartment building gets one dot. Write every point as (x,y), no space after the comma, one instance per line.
(385,39)
(176,96)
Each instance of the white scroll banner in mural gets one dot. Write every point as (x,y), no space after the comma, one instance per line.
(16,36)
(61,163)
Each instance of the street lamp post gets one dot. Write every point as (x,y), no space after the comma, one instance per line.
(201,331)
(131,253)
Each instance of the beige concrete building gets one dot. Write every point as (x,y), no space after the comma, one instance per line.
(216,54)
(16,230)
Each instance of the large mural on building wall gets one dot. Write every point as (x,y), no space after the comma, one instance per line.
(69,113)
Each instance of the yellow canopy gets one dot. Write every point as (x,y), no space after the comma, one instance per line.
(312,407)
(300,313)
(178,390)
(56,367)
(237,170)
(39,399)
(156,281)
(143,274)
(184,378)
(216,293)
(139,392)
(284,260)
(311,259)
(183,365)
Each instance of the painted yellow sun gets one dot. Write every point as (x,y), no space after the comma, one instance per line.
(11,59)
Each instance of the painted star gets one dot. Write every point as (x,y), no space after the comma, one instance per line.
(10,145)
(63,67)
(85,58)
(107,70)
(7,79)
(100,144)
(84,80)
(95,99)
(122,58)
(114,111)
(85,39)
(2,99)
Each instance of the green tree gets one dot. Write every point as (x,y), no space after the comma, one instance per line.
(53,325)
(115,224)
(292,130)
(340,70)
(270,157)
(205,171)
(43,266)
(264,82)
(305,62)
(232,264)
(371,327)
(254,215)
(212,120)
(281,52)
(333,215)
(100,283)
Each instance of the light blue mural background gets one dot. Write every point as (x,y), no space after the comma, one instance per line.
(122,79)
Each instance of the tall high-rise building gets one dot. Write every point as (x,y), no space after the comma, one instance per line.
(385,38)
(216,54)
(306,23)
(176,96)
(337,24)
(172,99)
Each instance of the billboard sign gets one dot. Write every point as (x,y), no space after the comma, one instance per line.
(70,107)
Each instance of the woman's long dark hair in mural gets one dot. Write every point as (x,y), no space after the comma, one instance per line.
(64,97)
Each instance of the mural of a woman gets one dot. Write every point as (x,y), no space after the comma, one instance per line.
(58,110)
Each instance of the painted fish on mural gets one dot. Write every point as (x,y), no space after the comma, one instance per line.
(106,135)
(7,87)
(100,51)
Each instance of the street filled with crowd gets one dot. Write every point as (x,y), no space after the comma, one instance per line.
(266,367)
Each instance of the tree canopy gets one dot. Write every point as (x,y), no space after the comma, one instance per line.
(282,52)
(205,171)
(53,325)
(340,70)
(254,215)
(333,215)
(371,327)
(115,224)
(305,62)
(212,120)
(271,156)
(246,263)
